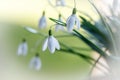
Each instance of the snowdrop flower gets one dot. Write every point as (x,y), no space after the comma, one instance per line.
(52,43)
(58,26)
(22,48)
(35,62)
(72,20)
(60,3)
(42,21)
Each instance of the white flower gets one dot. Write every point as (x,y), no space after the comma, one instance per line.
(35,63)
(58,26)
(72,20)
(60,3)
(52,44)
(23,48)
(42,21)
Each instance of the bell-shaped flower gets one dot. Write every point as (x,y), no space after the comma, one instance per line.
(22,48)
(60,3)
(58,26)
(35,63)
(73,20)
(42,21)
(52,43)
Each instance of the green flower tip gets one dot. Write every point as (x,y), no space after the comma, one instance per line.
(50,32)
(59,15)
(74,11)
(23,40)
(43,13)
(37,55)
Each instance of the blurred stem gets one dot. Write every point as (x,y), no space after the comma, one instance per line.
(107,26)
(85,57)
(94,65)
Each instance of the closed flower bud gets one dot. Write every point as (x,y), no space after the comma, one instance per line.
(42,21)
(58,26)
(72,20)
(22,48)
(60,3)
(35,62)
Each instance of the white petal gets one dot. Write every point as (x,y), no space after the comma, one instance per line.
(19,52)
(42,22)
(63,3)
(70,23)
(51,44)
(35,63)
(78,23)
(25,48)
(32,62)
(31,30)
(59,27)
(57,45)
(22,49)
(60,3)
(44,47)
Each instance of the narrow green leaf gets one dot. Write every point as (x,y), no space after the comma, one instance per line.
(93,46)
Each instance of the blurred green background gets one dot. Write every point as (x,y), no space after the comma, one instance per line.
(61,66)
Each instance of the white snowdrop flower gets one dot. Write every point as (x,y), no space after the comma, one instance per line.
(58,26)
(42,21)
(60,3)
(52,43)
(23,48)
(35,63)
(72,20)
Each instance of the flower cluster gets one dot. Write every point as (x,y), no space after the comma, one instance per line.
(50,42)
(102,36)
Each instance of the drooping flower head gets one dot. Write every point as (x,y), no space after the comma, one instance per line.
(51,42)
(35,62)
(22,48)
(72,20)
(60,3)
(58,26)
(42,21)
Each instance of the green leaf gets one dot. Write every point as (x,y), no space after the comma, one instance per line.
(88,42)
(58,22)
